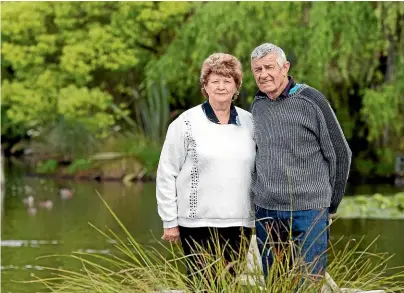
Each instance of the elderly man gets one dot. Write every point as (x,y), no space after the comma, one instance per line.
(302,163)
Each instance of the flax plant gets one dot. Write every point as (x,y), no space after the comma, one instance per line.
(137,268)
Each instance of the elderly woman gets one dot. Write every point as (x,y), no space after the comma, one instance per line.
(204,173)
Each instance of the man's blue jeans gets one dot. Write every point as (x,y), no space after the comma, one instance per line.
(308,229)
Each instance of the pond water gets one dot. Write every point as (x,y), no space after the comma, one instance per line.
(65,228)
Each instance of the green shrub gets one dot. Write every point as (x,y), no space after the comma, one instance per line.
(49,166)
(79,165)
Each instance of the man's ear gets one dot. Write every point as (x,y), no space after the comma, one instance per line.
(285,68)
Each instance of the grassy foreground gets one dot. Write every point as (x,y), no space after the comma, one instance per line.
(137,268)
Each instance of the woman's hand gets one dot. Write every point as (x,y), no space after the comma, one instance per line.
(171,234)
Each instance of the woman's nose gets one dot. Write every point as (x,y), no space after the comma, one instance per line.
(221,85)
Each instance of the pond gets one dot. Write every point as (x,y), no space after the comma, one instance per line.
(65,227)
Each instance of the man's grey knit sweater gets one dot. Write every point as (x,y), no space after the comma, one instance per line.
(303,158)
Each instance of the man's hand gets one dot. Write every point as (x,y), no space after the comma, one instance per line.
(171,234)
(330,217)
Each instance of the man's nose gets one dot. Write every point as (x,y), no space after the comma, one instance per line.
(264,72)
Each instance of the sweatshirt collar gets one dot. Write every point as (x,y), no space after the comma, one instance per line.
(210,114)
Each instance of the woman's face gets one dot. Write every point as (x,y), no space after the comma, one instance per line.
(220,88)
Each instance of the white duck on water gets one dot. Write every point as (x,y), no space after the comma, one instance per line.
(65,193)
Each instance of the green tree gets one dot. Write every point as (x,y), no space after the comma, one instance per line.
(383,102)
(338,48)
(76,59)
(98,62)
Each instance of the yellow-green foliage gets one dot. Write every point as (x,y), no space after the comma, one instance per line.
(88,106)
(75,59)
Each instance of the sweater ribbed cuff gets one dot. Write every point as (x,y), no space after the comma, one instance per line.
(170,224)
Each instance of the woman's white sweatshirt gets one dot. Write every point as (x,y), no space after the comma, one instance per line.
(204,173)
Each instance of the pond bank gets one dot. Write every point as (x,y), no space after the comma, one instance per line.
(110,166)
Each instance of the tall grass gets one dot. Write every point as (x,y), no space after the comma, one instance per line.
(137,268)
(156,111)
(152,109)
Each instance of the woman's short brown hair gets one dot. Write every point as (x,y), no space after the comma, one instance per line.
(222,64)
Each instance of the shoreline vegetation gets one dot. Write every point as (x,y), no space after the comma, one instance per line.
(109,166)
(112,166)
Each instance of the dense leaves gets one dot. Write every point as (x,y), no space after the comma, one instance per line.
(340,48)
(98,62)
(75,59)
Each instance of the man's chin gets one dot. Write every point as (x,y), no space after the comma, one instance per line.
(267,90)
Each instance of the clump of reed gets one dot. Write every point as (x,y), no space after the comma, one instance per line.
(133,267)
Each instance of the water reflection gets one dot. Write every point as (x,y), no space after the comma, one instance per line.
(30,243)
(385,189)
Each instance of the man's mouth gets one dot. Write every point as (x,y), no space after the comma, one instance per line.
(266,82)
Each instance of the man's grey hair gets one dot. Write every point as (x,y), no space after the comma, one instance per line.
(268,48)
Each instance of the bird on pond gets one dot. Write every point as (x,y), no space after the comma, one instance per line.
(29,201)
(65,193)
(47,204)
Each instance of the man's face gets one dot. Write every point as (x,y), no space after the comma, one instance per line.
(268,75)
